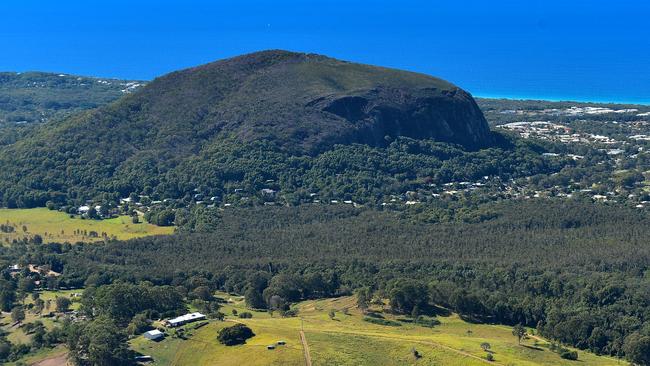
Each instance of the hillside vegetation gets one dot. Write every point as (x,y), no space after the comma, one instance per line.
(281,105)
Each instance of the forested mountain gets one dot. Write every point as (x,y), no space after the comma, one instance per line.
(272,103)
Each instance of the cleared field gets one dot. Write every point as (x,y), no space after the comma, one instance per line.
(349,340)
(54,226)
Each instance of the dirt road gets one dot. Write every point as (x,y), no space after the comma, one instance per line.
(305,348)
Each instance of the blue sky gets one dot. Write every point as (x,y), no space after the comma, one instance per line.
(580,50)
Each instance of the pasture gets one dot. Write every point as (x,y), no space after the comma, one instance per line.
(55,226)
(349,340)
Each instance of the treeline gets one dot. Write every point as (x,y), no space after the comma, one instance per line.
(574,270)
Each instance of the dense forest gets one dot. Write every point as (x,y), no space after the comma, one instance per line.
(574,270)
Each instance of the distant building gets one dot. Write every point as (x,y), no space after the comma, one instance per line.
(14,268)
(268,192)
(154,335)
(184,319)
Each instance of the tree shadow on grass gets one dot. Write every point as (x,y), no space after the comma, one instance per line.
(533,347)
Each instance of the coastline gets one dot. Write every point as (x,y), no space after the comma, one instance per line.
(567,99)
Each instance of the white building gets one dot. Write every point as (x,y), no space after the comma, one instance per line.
(154,335)
(184,319)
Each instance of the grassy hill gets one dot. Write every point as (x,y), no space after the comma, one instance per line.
(349,340)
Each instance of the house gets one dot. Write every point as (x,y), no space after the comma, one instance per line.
(14,268)
(184,319)
(154,335)
(270,346)
(83,209)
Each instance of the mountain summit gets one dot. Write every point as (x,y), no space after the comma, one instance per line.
(308,102)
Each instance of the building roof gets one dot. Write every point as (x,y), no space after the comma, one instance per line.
(186,318)
(154,332)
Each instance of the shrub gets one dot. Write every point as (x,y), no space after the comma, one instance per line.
(569,355)
(237,334)
(245,315)
(428,322)
(382,322)
(290,313)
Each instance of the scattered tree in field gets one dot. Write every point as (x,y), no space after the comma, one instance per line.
(485,346)
(415,353)
(62,304)
(39,304)
(569,355)
(489,357)
(276,303)
(363,298)
(17,314)
(332,314)
(519,331)
(237,334)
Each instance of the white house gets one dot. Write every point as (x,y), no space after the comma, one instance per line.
(184,319)
(154,335)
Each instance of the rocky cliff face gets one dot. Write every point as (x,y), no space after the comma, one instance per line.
(309,102)
(373,115)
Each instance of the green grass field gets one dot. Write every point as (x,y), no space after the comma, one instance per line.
(54,226)
(348,340)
